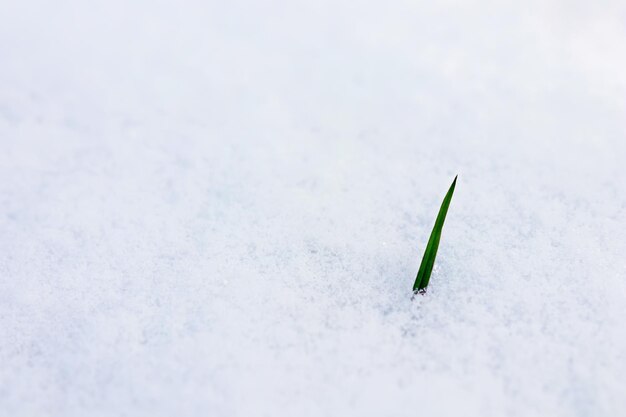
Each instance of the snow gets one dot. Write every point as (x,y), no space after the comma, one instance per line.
(219,208)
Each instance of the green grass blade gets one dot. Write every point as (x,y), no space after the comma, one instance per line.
(428,261)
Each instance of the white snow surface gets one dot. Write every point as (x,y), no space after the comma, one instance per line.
(218,208)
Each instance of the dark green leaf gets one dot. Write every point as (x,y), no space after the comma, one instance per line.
(428,261)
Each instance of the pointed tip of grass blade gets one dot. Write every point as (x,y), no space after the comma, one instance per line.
(428,260)
(454,181)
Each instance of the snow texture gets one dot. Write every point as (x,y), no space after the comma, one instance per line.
(218,208)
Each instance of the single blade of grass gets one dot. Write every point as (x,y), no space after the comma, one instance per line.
(428,261)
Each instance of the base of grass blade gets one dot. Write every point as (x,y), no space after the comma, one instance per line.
(421,292)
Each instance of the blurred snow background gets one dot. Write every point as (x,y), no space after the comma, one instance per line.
(218,208)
